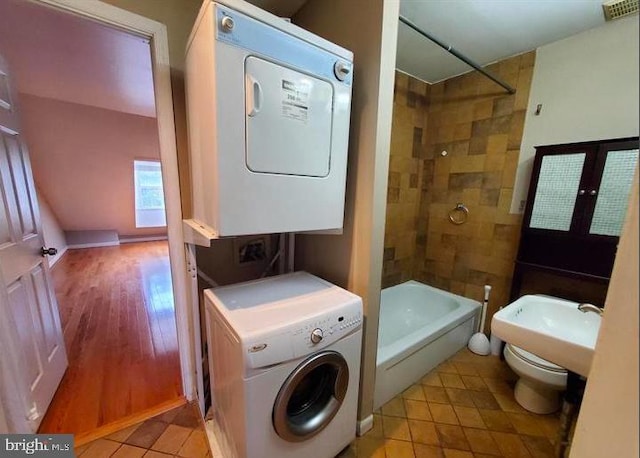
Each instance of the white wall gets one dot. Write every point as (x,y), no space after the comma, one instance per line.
(52,233)
(588,87)
(608,421)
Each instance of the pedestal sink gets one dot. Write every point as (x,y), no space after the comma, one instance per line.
(551,328)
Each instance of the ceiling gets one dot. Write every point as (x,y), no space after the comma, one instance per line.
(88,64)
(485,31)
(96,65)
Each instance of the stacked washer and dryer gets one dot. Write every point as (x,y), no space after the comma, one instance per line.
(268,107)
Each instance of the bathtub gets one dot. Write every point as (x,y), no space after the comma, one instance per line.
(420,327)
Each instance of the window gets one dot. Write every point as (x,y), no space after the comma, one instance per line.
(147,177)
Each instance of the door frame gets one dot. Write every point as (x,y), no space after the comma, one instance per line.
(156,33)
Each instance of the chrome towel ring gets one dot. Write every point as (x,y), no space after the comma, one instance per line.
(459,214)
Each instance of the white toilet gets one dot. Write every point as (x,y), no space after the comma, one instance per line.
(541,382)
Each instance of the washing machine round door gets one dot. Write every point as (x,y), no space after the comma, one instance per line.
(311,396)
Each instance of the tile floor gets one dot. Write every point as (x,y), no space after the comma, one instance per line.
(463,408)
(177,433)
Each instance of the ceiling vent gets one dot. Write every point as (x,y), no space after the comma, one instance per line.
(616,9)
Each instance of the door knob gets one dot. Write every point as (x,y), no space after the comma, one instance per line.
(48,251)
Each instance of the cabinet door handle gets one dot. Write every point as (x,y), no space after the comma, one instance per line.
(582,192)
(593,192)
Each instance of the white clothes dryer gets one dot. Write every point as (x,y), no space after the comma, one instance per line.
(268,106)
(284,354)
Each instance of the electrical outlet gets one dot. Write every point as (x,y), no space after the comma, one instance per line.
(253,250)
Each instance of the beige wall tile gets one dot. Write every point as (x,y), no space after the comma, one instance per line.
(481,128)
(473,163)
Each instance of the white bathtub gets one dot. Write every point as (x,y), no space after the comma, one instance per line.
(420,327)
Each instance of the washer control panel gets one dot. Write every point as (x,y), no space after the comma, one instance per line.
(305,337)
(320,332)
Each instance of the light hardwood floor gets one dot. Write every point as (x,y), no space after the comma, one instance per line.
(118,318)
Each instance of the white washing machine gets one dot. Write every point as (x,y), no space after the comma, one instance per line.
(284,354)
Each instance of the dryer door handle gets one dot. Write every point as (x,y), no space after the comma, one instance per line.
(253,96)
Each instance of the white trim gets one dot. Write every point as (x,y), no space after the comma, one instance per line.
(364,425)
(92,245)
(197,233)
(143,239)
(194,302)
(157,35)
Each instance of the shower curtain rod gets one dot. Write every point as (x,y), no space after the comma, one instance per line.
(457,54)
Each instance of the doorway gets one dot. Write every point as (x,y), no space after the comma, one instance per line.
(65,103)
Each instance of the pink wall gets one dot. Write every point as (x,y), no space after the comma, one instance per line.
(82,160)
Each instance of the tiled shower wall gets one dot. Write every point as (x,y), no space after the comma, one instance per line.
(405,178)
(480,127)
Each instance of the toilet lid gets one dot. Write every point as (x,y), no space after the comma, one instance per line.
(536,360)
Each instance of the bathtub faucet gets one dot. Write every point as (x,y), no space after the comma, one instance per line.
(584,308)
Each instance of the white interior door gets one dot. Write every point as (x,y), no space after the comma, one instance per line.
(31,331)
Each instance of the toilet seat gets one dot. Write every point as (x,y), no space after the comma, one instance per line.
(535,360)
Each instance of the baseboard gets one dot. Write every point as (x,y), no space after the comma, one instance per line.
(92,238)
(102,431)
(93,245)
(365,425)
(151,238)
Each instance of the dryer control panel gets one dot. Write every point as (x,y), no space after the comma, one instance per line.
(306,337)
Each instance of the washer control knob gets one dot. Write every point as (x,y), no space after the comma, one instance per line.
(316,335)
(227,24)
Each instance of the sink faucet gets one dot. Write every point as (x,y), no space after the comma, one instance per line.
(584,308)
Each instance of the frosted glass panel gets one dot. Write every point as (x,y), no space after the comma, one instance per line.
(613,194)
(557,190)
